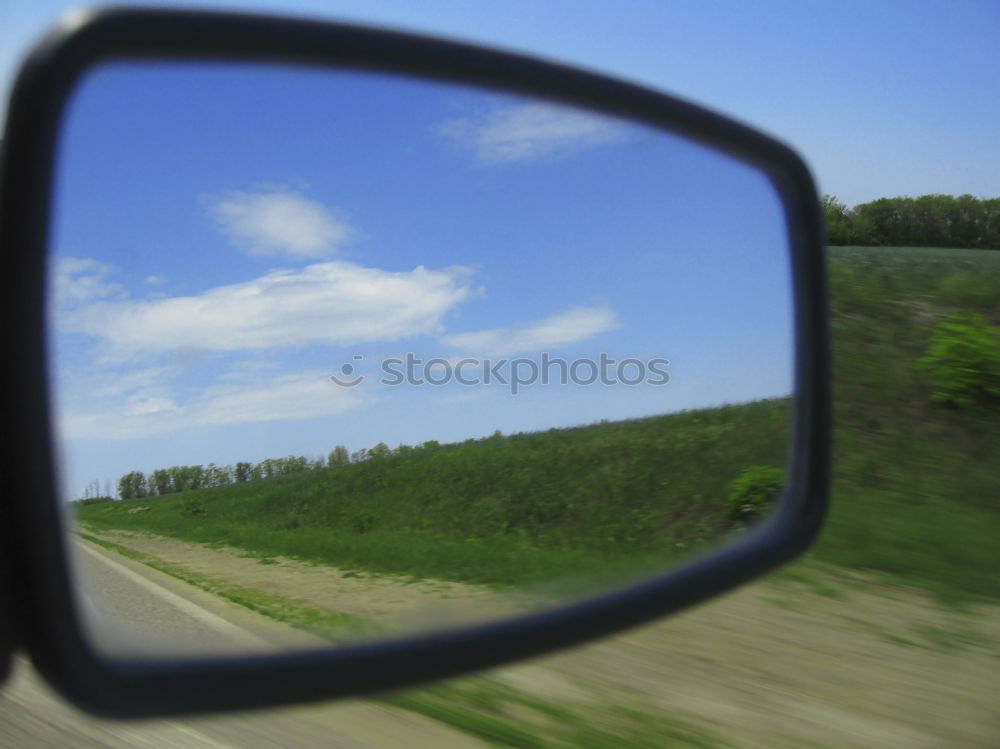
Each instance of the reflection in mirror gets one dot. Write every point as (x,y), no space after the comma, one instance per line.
(339,355)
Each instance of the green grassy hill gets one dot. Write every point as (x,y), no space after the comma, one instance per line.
(915,490)
(516,509)
(916,486)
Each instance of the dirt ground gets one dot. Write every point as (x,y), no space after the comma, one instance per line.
(393,604)
(781,663)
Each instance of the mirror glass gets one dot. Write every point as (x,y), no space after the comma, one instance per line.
(344,355)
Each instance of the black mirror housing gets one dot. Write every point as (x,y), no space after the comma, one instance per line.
(42,611)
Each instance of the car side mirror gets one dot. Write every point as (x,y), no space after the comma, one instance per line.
(591,316)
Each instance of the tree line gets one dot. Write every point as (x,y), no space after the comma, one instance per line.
(162,481)
(962,222)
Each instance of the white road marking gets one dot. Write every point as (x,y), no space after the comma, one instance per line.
(205,617)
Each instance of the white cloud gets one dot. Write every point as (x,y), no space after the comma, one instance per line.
(334,303)
(530,131)
(250,370)
(573,325)
(155,280)
(145,406)
(121,383)
(80,280)
(278,221)
(301,396)
(306,395)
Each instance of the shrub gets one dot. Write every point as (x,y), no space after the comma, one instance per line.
(753,492)
(963,362)
(362,521)
(969,290)
(191,507)
(92,501)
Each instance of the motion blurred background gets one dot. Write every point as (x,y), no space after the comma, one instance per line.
(888,632)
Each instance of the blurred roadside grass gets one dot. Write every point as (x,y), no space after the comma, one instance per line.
(915,485)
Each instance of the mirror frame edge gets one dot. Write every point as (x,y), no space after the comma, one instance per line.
(32,539)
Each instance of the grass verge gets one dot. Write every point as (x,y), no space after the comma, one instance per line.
(331,625)
(503,716)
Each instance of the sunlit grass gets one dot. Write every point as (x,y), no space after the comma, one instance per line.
(594,503)
(915,486)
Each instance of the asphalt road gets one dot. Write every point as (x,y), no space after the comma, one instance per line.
(133,609)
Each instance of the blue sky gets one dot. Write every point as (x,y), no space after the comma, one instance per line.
(896,97)
(889,98)
(225,238)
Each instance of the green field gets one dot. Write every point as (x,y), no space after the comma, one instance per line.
(914,489)
(915,485)
(518,510)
